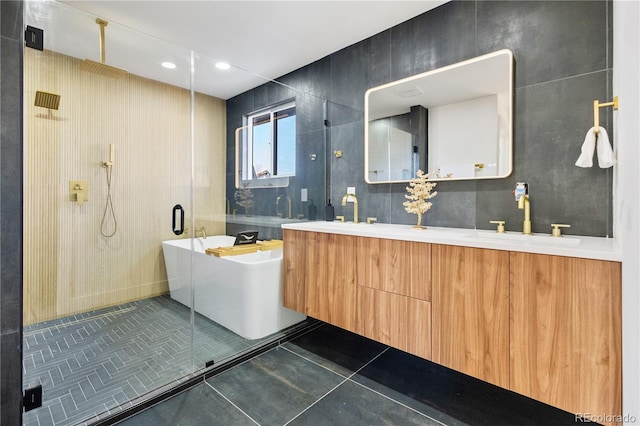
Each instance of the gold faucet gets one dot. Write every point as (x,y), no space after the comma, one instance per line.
(352,197)
(523,203)
(278,213)
(204,233)
(522,198)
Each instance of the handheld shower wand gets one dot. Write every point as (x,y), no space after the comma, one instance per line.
(110,162)
(108,165)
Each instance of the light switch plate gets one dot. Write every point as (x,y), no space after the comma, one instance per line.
(351,190)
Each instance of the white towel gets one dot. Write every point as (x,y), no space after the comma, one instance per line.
(605,153)
(588,147)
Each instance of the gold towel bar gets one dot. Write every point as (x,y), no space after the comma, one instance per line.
(596,111)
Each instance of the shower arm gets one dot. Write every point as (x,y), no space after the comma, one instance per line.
(102,24)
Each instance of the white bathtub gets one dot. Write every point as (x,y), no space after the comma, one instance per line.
(242,293)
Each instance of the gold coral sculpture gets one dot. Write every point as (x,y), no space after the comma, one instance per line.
(419,191)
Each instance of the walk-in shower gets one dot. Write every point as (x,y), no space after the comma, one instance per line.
(100,332)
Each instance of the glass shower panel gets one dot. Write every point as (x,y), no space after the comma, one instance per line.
(300,194)
(108,153)
(238,298)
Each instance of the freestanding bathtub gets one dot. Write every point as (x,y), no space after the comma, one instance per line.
(242,293)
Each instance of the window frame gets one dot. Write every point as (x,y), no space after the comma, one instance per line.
(245,177)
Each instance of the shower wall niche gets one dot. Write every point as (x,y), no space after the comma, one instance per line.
(69,267)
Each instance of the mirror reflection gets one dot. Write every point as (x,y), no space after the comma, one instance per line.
(456,120)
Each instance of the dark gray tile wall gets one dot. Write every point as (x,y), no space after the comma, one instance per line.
(562,63)
(10,212)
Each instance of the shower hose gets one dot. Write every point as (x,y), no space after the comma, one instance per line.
(108,208)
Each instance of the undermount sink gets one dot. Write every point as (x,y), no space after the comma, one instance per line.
(542,239)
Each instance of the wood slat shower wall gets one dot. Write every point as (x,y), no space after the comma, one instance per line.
(69,267)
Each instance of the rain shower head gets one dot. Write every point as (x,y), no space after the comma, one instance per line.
(100,67)
(47,100)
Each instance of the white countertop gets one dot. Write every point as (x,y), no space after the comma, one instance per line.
(273,221)
(568,245)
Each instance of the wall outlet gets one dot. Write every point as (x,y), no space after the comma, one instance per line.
(303,195)
(351,190)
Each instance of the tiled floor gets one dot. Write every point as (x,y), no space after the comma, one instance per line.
(90,363)
(332,377)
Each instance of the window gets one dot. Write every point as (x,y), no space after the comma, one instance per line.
(269,145)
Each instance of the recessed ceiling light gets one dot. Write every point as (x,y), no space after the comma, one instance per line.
(223,66)
(169,65)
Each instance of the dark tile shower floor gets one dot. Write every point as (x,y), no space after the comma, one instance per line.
(90,363)
(332,377)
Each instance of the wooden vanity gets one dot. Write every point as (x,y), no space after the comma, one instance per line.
(546,326)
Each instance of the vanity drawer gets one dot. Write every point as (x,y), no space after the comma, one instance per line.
(394,266)
(399,321)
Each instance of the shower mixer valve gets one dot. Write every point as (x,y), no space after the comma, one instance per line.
(78,191)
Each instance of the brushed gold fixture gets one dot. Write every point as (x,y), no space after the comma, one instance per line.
(500,223)
(278,212)
(340,218)
(201,230)
(337,153)
(596,111)
(479,165)
(524,204)
(521,193)
(352,198)
(109,212)
(101,67)
(370,220)
(111,157)
(47,100)
(555,229)
(78,191)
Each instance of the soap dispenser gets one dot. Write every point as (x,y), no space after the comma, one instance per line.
(329,212)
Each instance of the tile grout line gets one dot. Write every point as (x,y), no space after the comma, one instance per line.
(562,78)
(78,321)
(52,361)
(243,362)
(230,402)
(313,362)
(397,402)
(337,386)
(362,385)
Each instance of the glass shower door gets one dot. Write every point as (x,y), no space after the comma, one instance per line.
(108,153)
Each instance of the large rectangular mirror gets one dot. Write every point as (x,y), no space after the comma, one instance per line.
(455,120)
